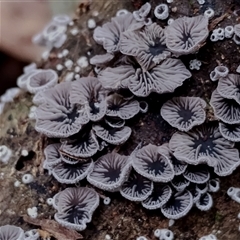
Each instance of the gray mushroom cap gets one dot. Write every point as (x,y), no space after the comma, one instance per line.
(184,113)
(197,174)
(76,206)
(227,110)
(115,136)
(114,122)
(88,92)
(237,30)
(152,164)
(23,79)
(117,106)
(110,33)
(142,12)
(230,131)
(10,232)
(229,87)
(205,202)
(160,195)
(178,206)
(110,171)
(157,79)
(57,117)
(101,60)
(186,34)
(41,80)
(137,187)
(148,45)
(205,144)
(52,155)
(82,145)
(71,173)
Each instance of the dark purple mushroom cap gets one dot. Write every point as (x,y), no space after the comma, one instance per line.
(88,92)
(205,144)
(110,171)
(230,131)
(110,33)
(178,206)
(148,45)
(137,187)
(117,106)
(229,87)
(184,113)
(197,174)
(180,183)
(160,195)
(114,122)
(52,155)
(157,78)
(71,173)
(76,206)
(179,167)
(205,202)
(152,164)
(101,60)
(57,117)
(82,145)
(41,80)
(11,232)
(142,12)
(186,34)
(115,136)
(116,78)
(227,110)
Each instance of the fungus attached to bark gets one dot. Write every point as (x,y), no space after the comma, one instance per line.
(137,187)
(115,136)
(229,87)
(186,35)
(197,174)
(157,79)
(71,173)
(230,131)
(76,206)
(81,145)
(150,163)
(142,12)
(117,106)
(57,117)
(41,80)
(109,34)
(205,144)
(10,232)
(160,195)
(227,110)
(205,202)
(178,206)
(88,92)
(148,45)
(184,113)
(109,172)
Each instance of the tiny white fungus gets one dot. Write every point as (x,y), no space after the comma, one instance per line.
(107,237)
(24,152)
(201,2)
(5,154)
(169,1)
(32,212)
(83,62)
(77,69)
(229,31)
(17,183)
(121,12)
(77,76)
(68,64)
(27,178)
(65,52)
(141,238)
(157,233)
(74,31)
(59,55)
(69,77)
(170,21)
(71,23)
(107,200)
(45,55)
(59,67)
(91,23)
(161,11)
(50,201)
(209,13)
(171,222)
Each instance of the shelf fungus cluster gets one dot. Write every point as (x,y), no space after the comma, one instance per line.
(91,113)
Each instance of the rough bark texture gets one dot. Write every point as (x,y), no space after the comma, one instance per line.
(122,219)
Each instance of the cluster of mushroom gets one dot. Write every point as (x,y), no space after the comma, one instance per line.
(10,232)
(225,101)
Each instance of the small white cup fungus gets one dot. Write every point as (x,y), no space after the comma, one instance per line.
(209,13)
(209,237)
(161,11)
(32,235)
(82,62)
(50,201)
(121,12)
(69,77)
(166,235)
(228,31)
(65,52)
(74,31)
(170,21)
(68,64)
(17,183)
(221,71)
(107,200)
(171,222)
(5,154)
(214,37)
(91,23)
(77,69)
(45,55)
(59,67)
(201,2)
(24,152)
(27,178)
(220,33)
(142,238)
(195,64)
(234,194)
(32,212)
(157,233)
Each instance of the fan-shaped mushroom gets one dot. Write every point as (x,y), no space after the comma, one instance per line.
(184,113)
(142,12)
(230,131)
(197,174)
(10,232)
(205,202)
